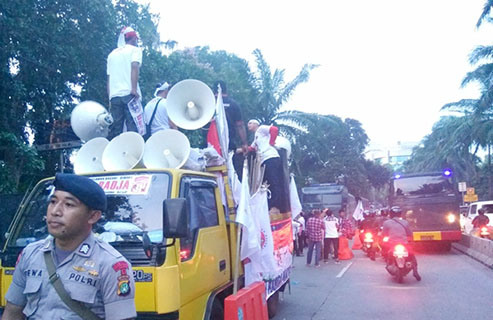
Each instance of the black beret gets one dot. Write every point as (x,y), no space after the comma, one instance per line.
(83,188)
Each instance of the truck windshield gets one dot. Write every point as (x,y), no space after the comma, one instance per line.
(424,185)
(134,209)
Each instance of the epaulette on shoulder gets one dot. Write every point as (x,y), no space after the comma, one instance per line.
(108,248)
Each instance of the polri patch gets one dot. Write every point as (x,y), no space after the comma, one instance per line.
(123,286)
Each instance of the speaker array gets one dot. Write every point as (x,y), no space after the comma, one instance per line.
(190,105)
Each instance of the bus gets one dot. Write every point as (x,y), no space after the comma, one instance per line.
(430,203)
(327,195)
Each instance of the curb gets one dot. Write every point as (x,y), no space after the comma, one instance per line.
(476,249)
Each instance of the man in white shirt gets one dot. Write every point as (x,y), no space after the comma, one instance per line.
(122,68)
(156,114)
(331,235)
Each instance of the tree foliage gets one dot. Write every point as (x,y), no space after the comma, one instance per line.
(54,55)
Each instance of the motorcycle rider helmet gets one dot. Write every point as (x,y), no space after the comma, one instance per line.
(395,211)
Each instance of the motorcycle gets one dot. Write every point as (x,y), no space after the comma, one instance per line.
(484,232)
(399,263)
(384,245)
(368,245)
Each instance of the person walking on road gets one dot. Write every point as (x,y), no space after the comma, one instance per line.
(331,238)
(315,229)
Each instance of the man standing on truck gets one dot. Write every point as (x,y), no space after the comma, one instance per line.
(71,274)
(122,68)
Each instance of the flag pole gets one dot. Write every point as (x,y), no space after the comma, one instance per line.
(238,242)
(237,262)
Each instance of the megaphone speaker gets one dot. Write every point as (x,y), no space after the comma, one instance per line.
(124,152)
(89,120)
(190,104)
(89,157)
(166,149)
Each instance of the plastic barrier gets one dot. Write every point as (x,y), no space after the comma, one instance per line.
(248,303)
(357,241)
(344,252)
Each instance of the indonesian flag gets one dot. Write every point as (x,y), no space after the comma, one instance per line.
(213,137)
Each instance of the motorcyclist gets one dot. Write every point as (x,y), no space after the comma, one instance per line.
(398,231)
(378,225)
(481,220)
(368,225)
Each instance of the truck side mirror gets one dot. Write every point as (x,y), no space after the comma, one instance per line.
(175,218)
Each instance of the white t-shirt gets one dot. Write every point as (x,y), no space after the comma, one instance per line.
(331,227)
(119,69)
(262,139)
(161,119)
(301,220)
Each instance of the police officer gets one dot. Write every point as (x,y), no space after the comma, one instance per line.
(398,231)
(92,273)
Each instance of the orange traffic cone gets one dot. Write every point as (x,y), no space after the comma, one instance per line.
(356,242)
(344,252)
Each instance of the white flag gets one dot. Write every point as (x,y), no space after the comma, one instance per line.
(263,264)
(250,242)
(358,212)
(294,199)
(222,124)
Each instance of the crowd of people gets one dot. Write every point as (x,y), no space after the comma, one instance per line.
(320,232)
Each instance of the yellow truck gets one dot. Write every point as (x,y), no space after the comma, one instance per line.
(173,225)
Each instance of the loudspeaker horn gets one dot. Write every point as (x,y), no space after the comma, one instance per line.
(166,149)
(124,152)
(283,143)
(190,104)
(89,120)
(89,157)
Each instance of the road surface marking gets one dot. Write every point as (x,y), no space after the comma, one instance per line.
(344,270)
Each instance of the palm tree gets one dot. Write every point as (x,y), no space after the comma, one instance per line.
(273,92)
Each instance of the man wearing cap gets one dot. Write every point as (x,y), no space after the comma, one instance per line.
(122,68)
(155,111)
(96,280)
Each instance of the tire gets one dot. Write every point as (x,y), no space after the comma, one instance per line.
(273,304)
(372,255)
(400,276)
(217,312)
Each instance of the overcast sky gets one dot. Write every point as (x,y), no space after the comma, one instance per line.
(391,64)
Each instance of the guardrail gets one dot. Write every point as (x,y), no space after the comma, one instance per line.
(477,248)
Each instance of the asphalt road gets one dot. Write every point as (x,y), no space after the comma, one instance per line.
(454,286)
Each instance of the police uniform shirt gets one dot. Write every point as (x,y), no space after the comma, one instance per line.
(95,274)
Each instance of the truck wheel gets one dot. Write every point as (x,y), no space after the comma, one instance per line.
(217,312)
(272,304)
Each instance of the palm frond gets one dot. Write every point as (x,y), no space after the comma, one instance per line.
(486,12)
